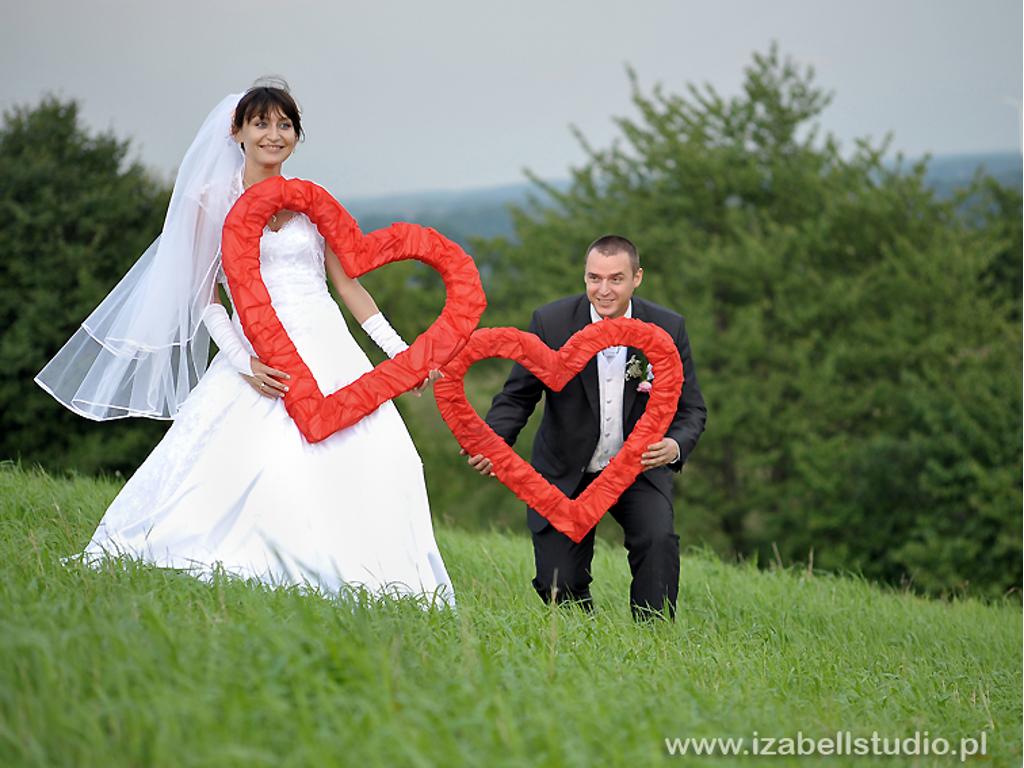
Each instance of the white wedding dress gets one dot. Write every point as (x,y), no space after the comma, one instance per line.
(234,483)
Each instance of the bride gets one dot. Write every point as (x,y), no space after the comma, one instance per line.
(233,484)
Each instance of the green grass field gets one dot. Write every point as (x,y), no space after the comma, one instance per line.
(133,666)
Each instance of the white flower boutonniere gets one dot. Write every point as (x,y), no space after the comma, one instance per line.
(634,368)
(637,368)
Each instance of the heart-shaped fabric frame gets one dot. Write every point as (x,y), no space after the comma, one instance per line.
(317,416)
(573,517)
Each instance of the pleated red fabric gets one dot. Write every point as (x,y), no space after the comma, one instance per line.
(554,368)
(317,416)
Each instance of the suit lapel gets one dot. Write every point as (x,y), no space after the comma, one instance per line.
(588,376)
(629,385)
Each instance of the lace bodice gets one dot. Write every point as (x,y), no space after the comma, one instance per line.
(291,258)
(292,267)
(292,261)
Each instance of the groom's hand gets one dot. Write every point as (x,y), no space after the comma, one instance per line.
(480,463)
(658,454)
(432,376)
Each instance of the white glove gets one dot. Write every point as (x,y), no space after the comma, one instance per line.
(226,337)
(383,335)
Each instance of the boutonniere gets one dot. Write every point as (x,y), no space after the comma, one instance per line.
(637,368)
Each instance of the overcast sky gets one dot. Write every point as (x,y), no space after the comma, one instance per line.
(447,94)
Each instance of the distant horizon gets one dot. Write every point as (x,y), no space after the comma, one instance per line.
(454,95)
(564,180)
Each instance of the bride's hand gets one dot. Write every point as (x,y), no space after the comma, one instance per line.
(431,378)
(264,379)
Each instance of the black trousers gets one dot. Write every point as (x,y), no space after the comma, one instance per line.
(646,517)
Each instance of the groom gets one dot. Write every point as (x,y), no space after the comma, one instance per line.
(586,424)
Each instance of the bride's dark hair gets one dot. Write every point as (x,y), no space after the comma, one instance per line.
(267,95)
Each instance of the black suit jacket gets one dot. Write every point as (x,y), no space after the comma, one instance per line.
(570,427)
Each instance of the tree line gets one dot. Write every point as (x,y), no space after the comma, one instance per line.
(857,337)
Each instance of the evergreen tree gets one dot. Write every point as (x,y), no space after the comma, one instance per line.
(857,340)
(74,215)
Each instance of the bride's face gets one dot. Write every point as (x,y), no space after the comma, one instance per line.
(267,139)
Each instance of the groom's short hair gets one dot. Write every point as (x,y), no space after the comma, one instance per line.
(608,245)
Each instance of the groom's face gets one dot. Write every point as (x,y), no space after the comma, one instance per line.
(610,282)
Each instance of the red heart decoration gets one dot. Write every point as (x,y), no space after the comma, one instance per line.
(554,368)
(316,416)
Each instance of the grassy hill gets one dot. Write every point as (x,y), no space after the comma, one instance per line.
(128,665)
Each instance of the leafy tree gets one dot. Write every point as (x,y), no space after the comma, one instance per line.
(74,214)
(857,339)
